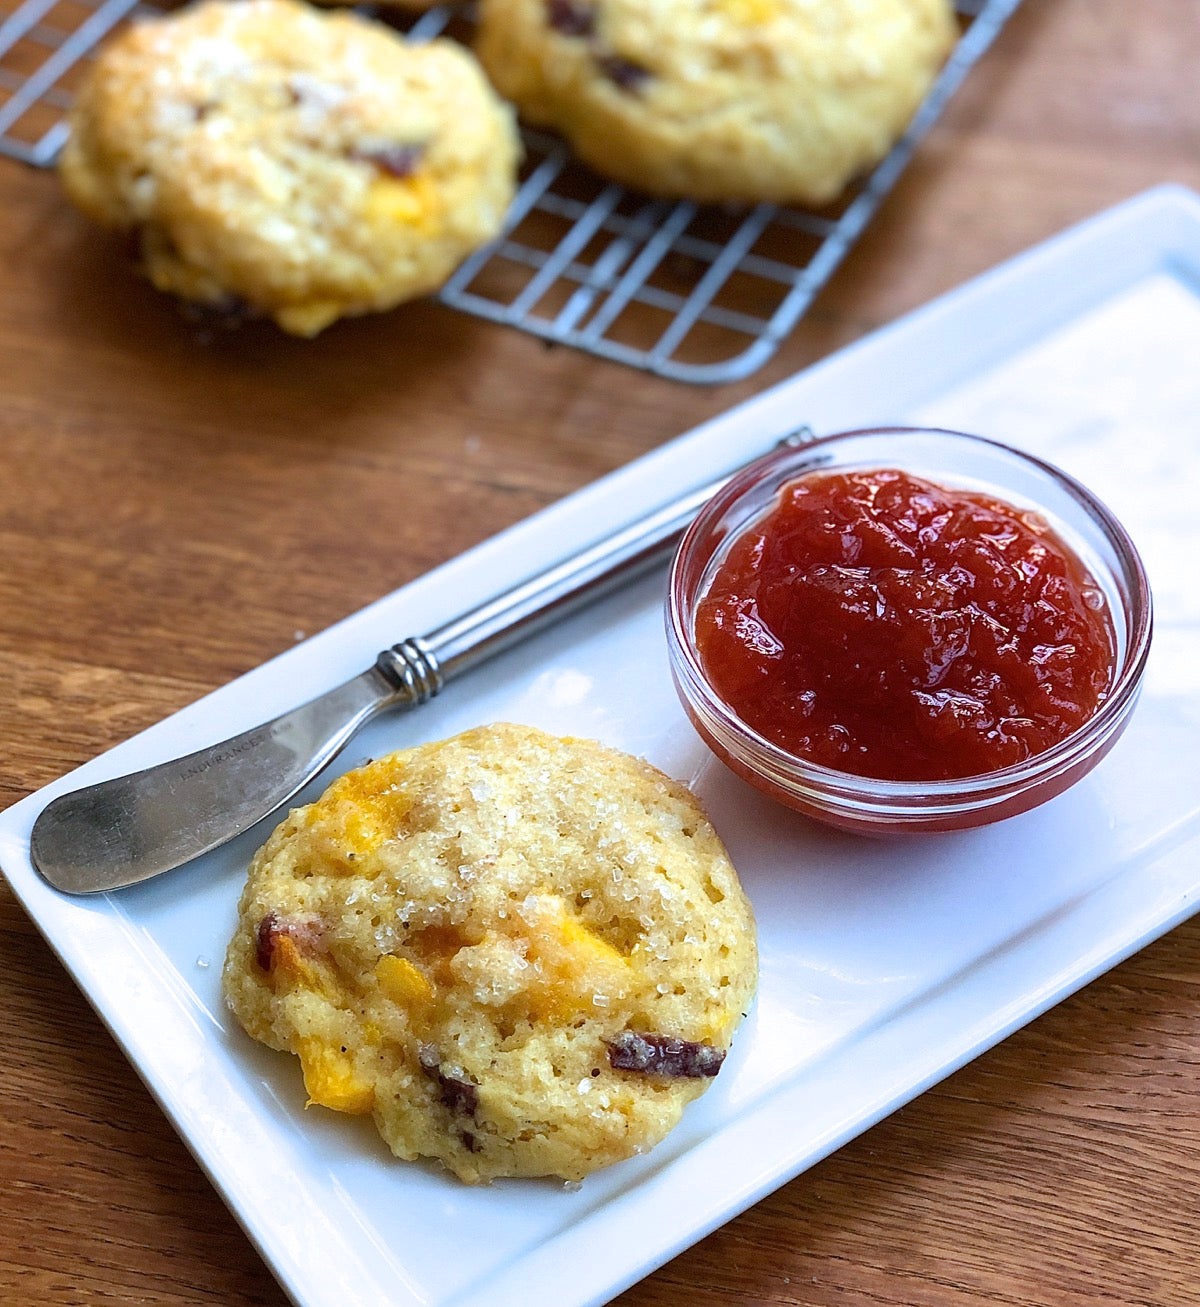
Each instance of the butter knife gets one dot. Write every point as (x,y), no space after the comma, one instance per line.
(131,828)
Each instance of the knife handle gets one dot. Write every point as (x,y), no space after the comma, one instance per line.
(420,666)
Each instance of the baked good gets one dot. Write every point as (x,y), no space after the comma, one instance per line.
(398,6)
(524,955)
(739,100)
(288,161)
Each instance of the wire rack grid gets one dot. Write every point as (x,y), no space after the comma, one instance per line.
(696,293)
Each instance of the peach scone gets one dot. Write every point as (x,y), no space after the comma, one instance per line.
(719,100)
(290,162)
(523,955)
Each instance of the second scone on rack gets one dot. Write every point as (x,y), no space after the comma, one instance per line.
(291,163)
(719,100)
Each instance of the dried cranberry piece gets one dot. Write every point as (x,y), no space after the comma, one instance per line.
(265,940)
(305,933)
(570,17)
(225,314)
(623,72)
(396,160)
(460,1096)
(663,1055)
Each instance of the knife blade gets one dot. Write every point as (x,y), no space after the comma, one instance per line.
(126,830)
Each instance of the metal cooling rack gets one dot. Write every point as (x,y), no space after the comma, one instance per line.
(696,293)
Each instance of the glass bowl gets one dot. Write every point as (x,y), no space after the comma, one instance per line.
(953,459)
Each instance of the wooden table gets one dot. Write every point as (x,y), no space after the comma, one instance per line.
(172,514)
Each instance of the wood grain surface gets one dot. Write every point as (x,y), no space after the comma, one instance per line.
(173,512)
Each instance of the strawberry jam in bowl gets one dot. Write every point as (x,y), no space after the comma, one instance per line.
(902,630)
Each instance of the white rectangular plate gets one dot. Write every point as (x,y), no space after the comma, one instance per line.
(884,965)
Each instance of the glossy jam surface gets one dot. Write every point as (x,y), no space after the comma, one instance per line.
(880,624)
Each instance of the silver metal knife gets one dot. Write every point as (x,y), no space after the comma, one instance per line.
(128,829)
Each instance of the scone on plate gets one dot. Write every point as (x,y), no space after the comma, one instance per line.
(739,100)
(523,955)
(295,163)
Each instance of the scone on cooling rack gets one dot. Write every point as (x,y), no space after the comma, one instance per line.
(289,162)
(719,100)
(523,955)
(410,7)
(398,7)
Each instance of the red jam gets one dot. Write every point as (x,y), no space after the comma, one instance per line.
(880,624)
